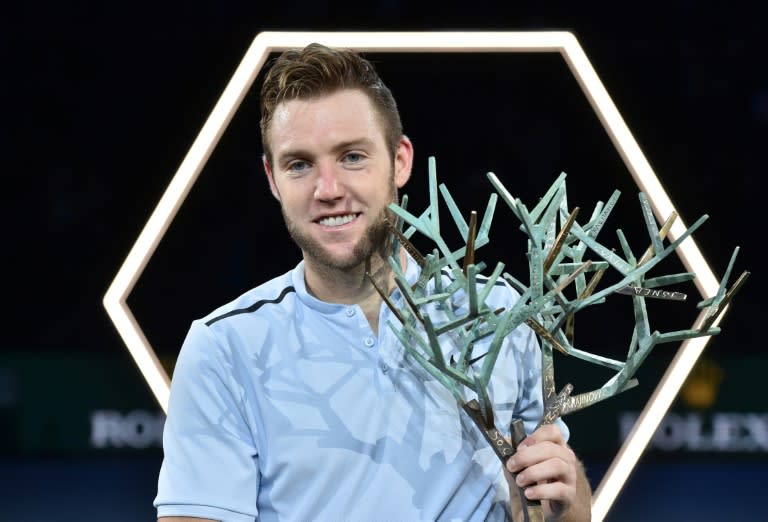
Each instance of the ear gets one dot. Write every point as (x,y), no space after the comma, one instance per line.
(270,177)
(403,161)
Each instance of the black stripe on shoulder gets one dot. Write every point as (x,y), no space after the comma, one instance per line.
(446,272)
(499,282)
(255,306)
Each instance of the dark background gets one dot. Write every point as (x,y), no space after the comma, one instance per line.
(102,101)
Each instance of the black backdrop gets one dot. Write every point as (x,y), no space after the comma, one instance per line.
(101,102)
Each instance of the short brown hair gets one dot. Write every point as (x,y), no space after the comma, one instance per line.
(317,70)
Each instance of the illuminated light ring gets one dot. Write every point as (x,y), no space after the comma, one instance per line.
(561,42)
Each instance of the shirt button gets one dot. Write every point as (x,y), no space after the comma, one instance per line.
(350,312)
(369,341)
(384,368)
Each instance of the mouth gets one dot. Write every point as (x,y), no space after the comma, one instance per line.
(337,221)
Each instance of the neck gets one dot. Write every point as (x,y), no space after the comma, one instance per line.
(352,286)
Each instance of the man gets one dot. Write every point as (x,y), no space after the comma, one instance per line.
(294,402)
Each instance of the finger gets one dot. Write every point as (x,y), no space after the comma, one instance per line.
(547,432)
(548,471)
(527,456)
(556,492)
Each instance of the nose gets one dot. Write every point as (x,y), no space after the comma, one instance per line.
(328,186)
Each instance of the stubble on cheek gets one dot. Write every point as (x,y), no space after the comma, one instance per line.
(375,239)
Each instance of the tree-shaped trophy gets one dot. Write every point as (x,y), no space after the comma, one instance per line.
(558,287)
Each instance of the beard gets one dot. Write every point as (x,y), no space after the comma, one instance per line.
(375,239)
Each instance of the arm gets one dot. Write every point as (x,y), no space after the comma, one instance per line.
(210,461)
(550,471)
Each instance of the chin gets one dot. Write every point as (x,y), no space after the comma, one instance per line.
(343,254)
(340,261)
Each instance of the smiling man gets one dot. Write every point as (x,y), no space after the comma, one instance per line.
(291,402)
(334,174)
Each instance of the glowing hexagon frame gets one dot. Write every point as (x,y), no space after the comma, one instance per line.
(561,42)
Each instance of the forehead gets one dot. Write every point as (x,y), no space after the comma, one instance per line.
(345,115)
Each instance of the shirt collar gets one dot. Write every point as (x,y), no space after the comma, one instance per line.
(412,271)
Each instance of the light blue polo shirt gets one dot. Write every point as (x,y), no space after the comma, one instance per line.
(285,407)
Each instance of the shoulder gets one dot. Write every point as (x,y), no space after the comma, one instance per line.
(500,294)
(243,325)
(222,350)
(260,302)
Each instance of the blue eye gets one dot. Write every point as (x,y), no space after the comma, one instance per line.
(298,166)
(353,157)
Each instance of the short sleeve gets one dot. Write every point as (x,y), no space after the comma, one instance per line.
(210,464)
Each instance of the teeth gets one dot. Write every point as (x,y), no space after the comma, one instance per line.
(336,220)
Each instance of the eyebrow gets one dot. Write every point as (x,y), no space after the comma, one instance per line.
(362,142)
